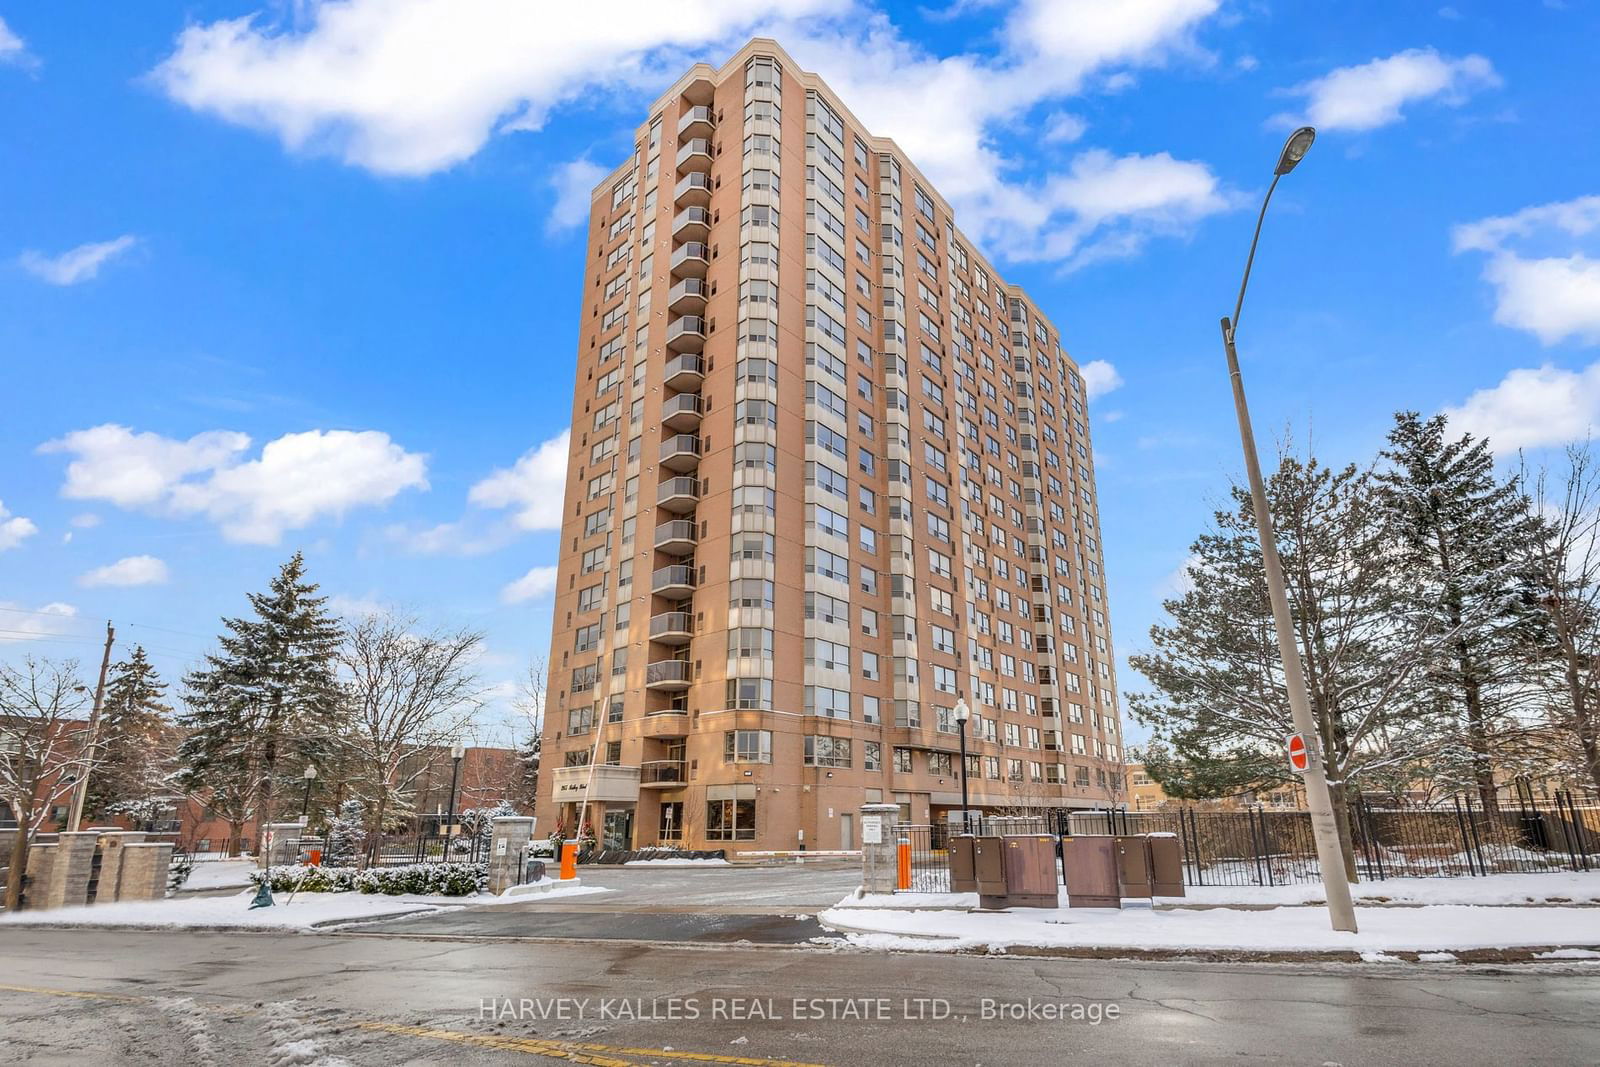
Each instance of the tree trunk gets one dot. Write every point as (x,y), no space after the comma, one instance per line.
(269,760)
(19,862)
(1347,840)
(1583,722)
(375,841)
(235,831)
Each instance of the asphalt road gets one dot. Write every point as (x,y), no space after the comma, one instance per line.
(164,997)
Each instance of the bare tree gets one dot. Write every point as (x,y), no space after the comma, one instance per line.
(40,759)
(1567,560)
(409,691)
(530,703)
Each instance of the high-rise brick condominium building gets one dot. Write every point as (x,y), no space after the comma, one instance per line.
(828,473)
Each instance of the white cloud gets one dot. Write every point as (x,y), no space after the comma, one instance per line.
(1533,407)
(130,570)
(76,265)
(88,520)
(14,529)
(354,607)
(1179,582)
(1064,128)
(12,49)
(1553,296)
(18,623)
(538,582)
(573,183)
(533,488)
(1099,377)
(416,86)
(298,479)
(1369,95)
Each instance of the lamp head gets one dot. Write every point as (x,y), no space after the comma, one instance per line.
(1295,149)
(963,713)
(457,751)
(310,772)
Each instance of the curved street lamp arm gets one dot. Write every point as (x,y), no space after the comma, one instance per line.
(1248,263)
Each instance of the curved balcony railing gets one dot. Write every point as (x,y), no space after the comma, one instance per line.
(669,674)
(684,372)
(687,333)
(682,412)
(694,188)
(676,580)
(678,495)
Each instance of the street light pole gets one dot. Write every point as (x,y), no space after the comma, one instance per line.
(456,752)
(1330,857)
(305,801)
(963,713)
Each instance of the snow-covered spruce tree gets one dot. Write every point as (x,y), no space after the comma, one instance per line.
(1465,539)
(269,701)
(346,834)
(1219,709)
(131,777)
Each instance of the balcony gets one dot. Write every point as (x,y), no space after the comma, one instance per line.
(599,781)
(690,260)
(686,334)
(670,723)
(696,122)
(681,453)
(684,373)
(688,296)
(694,155)
(691,224)
(675,581)
(672,628)
(692,189)
(669,675)
(678,496)
(682,412)
(678,536)
(663,773)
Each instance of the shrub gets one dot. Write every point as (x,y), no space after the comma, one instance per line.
(417,879)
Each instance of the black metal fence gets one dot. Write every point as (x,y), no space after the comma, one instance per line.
(1261,846)
(400,851)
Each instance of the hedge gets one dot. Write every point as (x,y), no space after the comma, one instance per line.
(419,879)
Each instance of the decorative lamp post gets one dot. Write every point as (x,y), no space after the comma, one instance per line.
(963,713)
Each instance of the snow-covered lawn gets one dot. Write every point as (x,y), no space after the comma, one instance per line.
(1556,887)
(221,874)
(1281,929)
(306,910)
(679,861)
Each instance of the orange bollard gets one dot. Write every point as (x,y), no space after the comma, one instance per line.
(903,881)
(569,860)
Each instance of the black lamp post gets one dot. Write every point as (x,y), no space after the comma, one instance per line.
(963,713)
(456,752)
(305,801)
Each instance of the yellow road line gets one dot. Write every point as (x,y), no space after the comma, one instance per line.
(584,1052)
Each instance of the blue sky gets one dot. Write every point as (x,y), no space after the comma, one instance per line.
(305,275)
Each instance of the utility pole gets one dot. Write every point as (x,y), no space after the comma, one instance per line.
(1324,828)
(81,794)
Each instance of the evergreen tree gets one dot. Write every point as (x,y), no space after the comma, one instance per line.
(528,779)
(346,834)
(131,777)
(1465,539)
(269,702)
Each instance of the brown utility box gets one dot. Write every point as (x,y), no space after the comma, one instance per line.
(1133,865)
(1090,866)
(1166,865)
(1030,861)
(989,864)
(963,864)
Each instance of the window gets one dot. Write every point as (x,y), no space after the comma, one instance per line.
(826,702)
(750,593)
(827,751)
(941,763)
(827,655)
(731,820)
(747,746)
(872,755)
(750,694)
(751,641)
(902,760)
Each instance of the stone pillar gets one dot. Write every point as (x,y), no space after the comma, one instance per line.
(112,844)
(144,870)
(510,835)
(41,857)
(879,863)
(69,873)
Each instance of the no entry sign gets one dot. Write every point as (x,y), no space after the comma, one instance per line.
(1299,753)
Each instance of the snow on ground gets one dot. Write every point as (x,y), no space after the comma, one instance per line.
(1286,929)
(221,874)
(679,861)
(1556,887)
(305,911)
(557,891)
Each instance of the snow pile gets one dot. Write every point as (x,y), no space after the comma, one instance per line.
(678,861)
(305,911)
(1437,927)
(1505,889)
